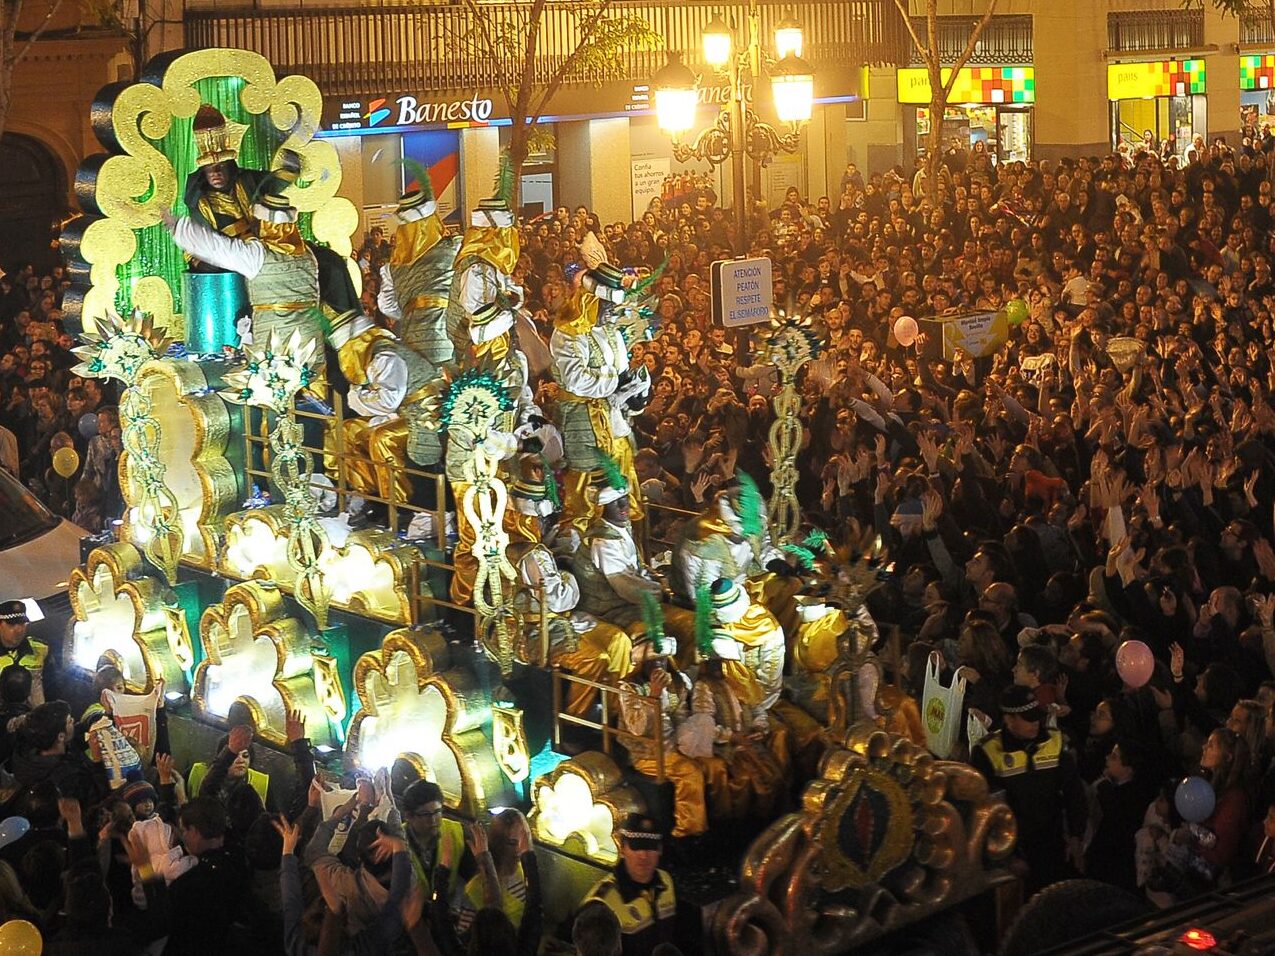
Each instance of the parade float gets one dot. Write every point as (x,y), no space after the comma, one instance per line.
(237,578)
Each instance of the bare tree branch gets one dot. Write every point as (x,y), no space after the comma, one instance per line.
(487,32)
(916,40)
(35,34)
(567,65)
(969,46)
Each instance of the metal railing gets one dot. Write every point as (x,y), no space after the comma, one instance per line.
(1170,29)
(1256,28)
(351,50)
(609,733)
(1005,40)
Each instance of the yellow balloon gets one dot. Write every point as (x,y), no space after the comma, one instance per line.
(18,937)
(66,461)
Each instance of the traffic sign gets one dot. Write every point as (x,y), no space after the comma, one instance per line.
(742,291)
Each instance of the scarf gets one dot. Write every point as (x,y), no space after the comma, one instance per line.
(414,239)
(282,237)
(499,246)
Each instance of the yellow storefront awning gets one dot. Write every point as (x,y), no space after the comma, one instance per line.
(974,84)
(1140,81)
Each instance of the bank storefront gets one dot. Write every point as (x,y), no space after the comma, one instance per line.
(601,146)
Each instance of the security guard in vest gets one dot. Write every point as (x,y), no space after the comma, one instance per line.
(639,893)
(1030,764)
(440,860)
(17,648)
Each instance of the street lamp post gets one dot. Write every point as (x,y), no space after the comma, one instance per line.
(737,131)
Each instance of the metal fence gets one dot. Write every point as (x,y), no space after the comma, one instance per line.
(1155,30)
(353,49)
(1005,40)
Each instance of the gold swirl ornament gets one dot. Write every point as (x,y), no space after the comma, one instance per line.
(886,836)
(191,431)
(259,657)
(132,186)
(120,617)
(409,708)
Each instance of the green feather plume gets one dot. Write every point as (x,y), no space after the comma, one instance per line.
(419,172)
(817,540)
(611,469)
(551,485)
(505,179)
(750,505)
(805,556)
(642,285)
(704,621)
(653,618)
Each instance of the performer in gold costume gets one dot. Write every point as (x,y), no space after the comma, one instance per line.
(591,366)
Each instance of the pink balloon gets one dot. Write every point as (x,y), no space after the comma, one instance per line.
(906,330)
(1134,663)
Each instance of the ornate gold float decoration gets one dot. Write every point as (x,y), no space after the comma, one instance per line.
(120,616)
(886,836)
(581,804)
(410,708)
(257,656)
(119,249)
(172,407)
(120,349)
(273,374)
(369,574)
(468,405)
(788,346)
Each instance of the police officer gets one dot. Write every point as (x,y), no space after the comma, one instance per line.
(638,892)
(1038,775)
(17,648)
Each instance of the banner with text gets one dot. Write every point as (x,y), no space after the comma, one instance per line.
(648,182)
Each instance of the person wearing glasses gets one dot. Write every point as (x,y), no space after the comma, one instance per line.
(440,860)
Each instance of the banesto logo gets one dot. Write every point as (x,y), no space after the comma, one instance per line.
(414,113)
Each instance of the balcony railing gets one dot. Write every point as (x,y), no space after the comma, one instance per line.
(1256,28)
(354,50)
(1134,32)
(1005,40)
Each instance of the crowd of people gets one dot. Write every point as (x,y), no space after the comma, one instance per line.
(1101,478)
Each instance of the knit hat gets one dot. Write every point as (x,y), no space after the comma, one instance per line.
(1016,699)
(272,204)
(730,602)
(492,319)
(418,203)
(137,792)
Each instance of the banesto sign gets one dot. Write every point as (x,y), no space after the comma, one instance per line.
(412,112)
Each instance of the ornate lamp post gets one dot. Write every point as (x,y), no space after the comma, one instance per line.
(737,131)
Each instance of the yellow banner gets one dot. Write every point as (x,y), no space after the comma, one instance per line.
(974,84)
(1136,81)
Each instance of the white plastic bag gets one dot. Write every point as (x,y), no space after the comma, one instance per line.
(941,708)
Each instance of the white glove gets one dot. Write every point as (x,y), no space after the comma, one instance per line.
(500,445)
(385,390)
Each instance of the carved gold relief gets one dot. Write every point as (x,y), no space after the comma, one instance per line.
(120,616)
(193,429)
(131,186)
(258,656)
(905,833)
(433,720)
(581,804)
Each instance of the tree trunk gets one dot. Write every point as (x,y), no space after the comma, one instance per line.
(934,142)
(519,132)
